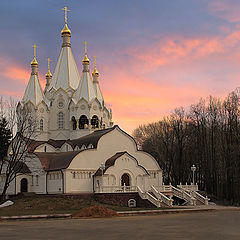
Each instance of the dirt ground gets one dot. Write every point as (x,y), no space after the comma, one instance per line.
(51,205)
(219,225)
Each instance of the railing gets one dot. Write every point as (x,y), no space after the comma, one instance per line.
(200,197)
(188,188)
(149,197)
(180,193)
(115,189)
(164,188)
(141,193)
(162,197)
(153,200)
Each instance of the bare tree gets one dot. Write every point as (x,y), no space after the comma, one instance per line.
(207,135)
(15,162)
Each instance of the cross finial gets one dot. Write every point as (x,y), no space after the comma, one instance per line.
(65,9)
(49,60)
(95,61)
(85,43)
(34,50)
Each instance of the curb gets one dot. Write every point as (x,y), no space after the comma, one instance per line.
(46,216)
(123,213)
(168,211)
(120,213)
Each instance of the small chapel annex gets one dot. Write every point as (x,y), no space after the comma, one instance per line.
(77,148)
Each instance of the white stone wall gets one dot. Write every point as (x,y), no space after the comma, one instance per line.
(42,112)
(59,96)
(79,181)
(111,143)
(55,182)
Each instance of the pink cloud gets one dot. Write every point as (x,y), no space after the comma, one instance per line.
(178,49)
(226,9)
(16,73)
(148,82)
(176,71)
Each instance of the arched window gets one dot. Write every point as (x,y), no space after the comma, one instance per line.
(125,180)
(24,185)
(41,125)
(37,179)
(45,148)
(83,147)
(60,120)
(76,148)
(82,121)
(74,123)
(95,121)
(90,146)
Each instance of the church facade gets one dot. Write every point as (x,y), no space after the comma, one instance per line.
(77,149)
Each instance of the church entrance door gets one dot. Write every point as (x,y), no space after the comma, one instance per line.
(24,185)
(125,180)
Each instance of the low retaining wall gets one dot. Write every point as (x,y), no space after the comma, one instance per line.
(121,199)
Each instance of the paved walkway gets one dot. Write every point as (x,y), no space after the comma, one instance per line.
(219,225)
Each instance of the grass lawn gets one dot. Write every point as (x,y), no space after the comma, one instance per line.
(26,205)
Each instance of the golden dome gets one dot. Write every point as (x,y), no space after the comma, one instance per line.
(85,59)
(95,72)
(34,62)
(66,30)
(48,74)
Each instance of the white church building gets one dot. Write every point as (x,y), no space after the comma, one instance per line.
(77,148)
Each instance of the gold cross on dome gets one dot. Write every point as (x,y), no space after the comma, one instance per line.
(85,43)
(95,61)
(65,9)
(49,60)
(34,50)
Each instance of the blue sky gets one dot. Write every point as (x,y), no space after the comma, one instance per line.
(153,56)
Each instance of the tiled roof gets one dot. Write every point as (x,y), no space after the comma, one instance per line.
(110,162)
(91,138)
(56,161)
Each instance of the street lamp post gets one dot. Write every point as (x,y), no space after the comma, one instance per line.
(193,168)
(102,167)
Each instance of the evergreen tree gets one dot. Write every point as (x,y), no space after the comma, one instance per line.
(5,138)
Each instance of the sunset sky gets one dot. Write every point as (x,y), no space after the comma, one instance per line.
(152,55)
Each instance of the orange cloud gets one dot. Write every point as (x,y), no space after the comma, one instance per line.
(177,71)
(135,100)
(16,73)
(149,82)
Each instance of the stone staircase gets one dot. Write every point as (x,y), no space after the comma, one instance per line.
(156,198)
(162,196)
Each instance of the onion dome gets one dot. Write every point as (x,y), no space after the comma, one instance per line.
(34,62)
(85,59)
(66,31)
(95,72)
(48,74)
